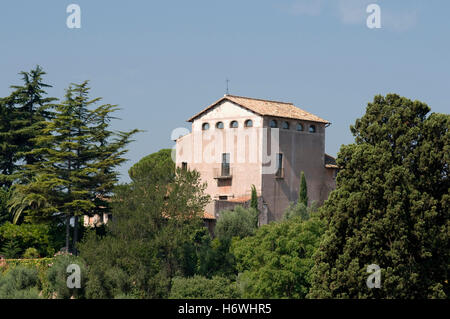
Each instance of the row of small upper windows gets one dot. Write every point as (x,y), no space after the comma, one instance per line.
(286,126)
(273,124)
(233,124)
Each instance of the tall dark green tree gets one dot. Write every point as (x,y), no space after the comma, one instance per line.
(391,206)
(254,203)
(254,198)
(78,157)
(303,191)
(21,116)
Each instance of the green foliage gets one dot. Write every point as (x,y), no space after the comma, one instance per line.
(10,249)
(303,191)
(391,206)
(239,222)
(17,238)
(254,198)
(20,283)
(276,262)
(4,198)
(31,253)
(199,287)
(21,115)
(300,210)
(78,156)
(57,276)
(156,167)
(156,234)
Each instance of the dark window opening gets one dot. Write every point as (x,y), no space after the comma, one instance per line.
(219,125)
(273,124)
(299,127)
(234,124)
(312,129)
(225,164)
(223,197)
(279,172)
(285,125)
(248,123)
(184,166)
(205,126)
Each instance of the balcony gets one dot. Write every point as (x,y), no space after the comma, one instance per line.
(223,172)
(279,173)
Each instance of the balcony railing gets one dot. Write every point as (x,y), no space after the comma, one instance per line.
(279,173)
(223,172)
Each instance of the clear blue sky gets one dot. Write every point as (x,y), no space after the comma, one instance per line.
(163,61)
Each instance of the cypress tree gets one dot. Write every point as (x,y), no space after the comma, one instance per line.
(254,204)
(303,191)
(254,198)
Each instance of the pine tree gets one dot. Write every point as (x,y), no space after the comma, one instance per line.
(391,206)
(21,114)
(79,155)
(303,191)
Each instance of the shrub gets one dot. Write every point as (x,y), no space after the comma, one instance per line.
(20,283)
(239,222)
(31,253)
(25,236)
(57,277)
(201,287)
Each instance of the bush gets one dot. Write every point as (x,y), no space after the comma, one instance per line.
(239,222)
(24,236)
(31,253)
(20,283)
(300,210)
(57,277)
(199,287)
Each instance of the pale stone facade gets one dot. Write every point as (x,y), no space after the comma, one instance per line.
(234,144)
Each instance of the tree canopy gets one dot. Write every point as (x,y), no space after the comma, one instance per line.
(156,234)
(156,166)
(276,261)
(391,206)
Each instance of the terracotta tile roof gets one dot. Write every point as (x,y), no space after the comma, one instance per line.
(208,216)
(330,161)
(242,199)
(266,108)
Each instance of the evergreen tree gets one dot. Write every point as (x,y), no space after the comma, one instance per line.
(79,155)
(391,206)
(254,203)
(254,198)
(303,191)
(21,116)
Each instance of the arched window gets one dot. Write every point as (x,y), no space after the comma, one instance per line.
(248,123)
(234,124)
(205,126)
(299,127)
(219,125)
(273,123)
(312,129)
(285,125)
